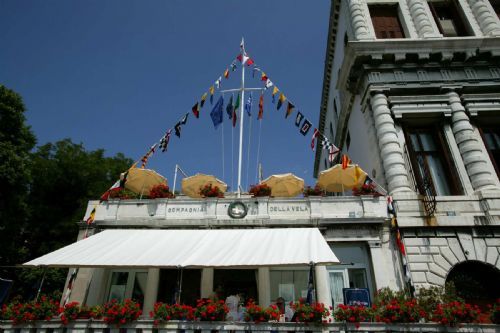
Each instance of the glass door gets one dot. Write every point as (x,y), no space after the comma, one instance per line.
(338,280)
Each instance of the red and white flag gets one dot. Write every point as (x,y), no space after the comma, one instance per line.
(314,136)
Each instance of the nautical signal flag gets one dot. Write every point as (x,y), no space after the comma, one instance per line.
(203,99)
(237,104)
(211,90)
(263,77)
(345,161)
(217,114)
(275,91)
(218,82)
(248,105)
(289,109)
(177,129)
(196,110)
(234,117)
(91,217)
(261,107)
(314,136)
(298,118)
(399,242)
(184,119)
(244,59)
(269,84)
(164,141)
(229,107)
(281,99)
(226,73)
(333,151)
(306,126)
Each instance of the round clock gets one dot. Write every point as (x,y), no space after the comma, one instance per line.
(237,210)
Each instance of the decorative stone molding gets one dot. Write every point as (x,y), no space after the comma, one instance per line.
(421,18)
(468,144)
(419,106)
(359,21)
(431,258)
(486,17)
(390,150)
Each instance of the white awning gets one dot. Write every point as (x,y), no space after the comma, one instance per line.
(194,248)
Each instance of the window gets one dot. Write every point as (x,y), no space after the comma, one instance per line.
(353,272)
(386,21)
(168,286)
(431,162)
(291,284)
(335,109)
(331,131)
(127,284)
(448,18)
(491,138)
(348,141)
(496,6)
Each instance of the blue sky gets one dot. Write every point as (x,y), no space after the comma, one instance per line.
(117,74)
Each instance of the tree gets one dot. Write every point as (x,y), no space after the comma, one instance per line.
(16,142)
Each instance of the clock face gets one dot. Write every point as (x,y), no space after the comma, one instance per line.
(237,210)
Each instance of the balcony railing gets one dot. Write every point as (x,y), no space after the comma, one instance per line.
(146,326)
(264,211)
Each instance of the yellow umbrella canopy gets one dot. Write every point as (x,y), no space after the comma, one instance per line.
(191,185)
(285,185)
(141,181)
(337,179)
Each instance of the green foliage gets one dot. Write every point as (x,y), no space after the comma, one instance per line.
(43,194)
(16,141)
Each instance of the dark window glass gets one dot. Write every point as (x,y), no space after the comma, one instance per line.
(431,162)
(448,18)
(491,137)
(386,21)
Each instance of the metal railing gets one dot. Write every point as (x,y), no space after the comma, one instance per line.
(147,326)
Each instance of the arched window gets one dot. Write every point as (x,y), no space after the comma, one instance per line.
(476,282)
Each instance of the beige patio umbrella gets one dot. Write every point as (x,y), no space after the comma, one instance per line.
(191,185)
(337,179)
(141,181)
(285,185)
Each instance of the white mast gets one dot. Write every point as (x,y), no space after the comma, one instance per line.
(242,103)
(242,106)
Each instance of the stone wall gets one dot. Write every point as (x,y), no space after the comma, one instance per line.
(432,254)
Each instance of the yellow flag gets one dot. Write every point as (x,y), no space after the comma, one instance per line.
(275,90)
(212,90)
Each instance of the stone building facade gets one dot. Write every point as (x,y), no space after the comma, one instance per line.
(411,93)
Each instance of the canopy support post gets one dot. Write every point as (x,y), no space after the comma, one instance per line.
(41,283)
(180,270)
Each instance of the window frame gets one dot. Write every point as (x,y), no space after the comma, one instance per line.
(490,154)
(444,152)
(458,22)
(129,287)
(391,6)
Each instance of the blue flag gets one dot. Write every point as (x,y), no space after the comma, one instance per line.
(248,105)
(217,113)
(230,108)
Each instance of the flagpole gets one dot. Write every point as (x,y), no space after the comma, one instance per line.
(242,103)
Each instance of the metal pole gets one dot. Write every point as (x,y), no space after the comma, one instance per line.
(41,284)
(242,103)
(175,178)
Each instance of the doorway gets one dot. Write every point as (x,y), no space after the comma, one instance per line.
(167,288)
(236,281)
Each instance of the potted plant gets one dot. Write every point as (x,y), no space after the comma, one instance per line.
(260,190)
(354,314)
(166,312)
(208,310)
(495,312)
(121,313)
(160,191)
(310,313)
(122,194)
(313,191)
(366,189)
(211,191)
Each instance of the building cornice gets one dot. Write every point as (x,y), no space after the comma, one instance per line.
(325,95)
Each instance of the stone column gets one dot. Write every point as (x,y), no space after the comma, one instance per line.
(151,290)
(485,16)
(359,21)
(322,285)
(264,286)
(384,273)
(391,153)
(207,282)
(420,17)
(469,147)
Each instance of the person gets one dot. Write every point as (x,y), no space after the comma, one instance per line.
(284,309)
(218,294)
(232,303)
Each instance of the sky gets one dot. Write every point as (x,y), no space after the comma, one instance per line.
(118,74)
